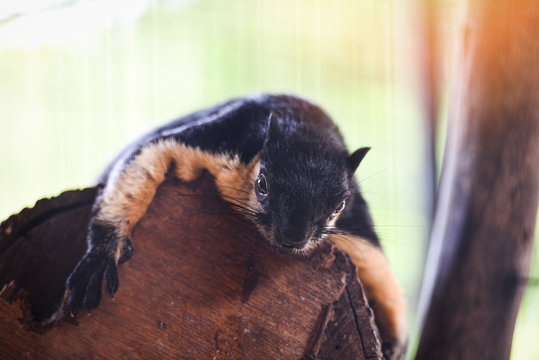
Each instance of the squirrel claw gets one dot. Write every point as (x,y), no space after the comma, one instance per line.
(86,279)
(111,278)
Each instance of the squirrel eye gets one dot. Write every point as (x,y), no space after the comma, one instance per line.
(341,207)
(261,186)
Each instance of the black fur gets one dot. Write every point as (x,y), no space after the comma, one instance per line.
(307,146)
(241,131)
(306,165)
(85,280)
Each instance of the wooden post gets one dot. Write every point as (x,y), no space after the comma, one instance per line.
(487,204)
(201,284)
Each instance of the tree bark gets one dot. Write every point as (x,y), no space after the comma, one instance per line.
(487,205)
(201,284)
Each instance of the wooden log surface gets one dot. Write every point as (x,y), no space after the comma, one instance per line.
(487,204)
(201,284)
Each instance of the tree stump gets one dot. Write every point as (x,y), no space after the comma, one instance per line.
(202,284)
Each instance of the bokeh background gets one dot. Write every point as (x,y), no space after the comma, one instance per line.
(79,79)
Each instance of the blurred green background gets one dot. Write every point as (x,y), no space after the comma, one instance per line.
(80,79)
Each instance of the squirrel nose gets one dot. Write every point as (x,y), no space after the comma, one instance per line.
(294,245)
(295,239)
(293,233)
(297,245)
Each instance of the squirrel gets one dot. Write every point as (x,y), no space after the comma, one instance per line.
(281,162)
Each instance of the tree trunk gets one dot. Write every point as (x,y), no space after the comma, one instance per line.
(487,204)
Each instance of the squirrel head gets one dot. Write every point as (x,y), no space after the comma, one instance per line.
(302,186)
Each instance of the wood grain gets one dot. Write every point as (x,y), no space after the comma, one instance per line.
(201,284)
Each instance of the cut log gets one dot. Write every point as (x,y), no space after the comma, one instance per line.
(202,284)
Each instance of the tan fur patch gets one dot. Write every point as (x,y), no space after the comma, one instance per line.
(125,201)
(382,289)
(236,183)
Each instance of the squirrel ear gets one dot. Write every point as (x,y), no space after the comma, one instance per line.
(273,128)
(355,158)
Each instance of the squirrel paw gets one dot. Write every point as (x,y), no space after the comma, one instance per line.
(86,279)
